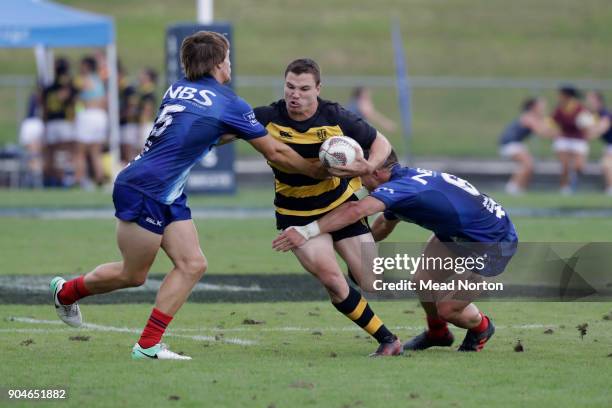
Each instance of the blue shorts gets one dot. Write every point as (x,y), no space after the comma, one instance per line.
(496,255)
(133,206)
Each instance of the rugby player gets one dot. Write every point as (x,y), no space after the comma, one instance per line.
(303,121)
(597,104)
(533,119)
(458,215)
(150,204)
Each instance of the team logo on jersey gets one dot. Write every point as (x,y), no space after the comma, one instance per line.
(250,117)
(322,134)
(286,135)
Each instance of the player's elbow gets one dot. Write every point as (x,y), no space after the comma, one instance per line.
(354,210)
(274,155)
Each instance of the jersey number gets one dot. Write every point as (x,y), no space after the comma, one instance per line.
(461,183)
(165,119)
(493,207)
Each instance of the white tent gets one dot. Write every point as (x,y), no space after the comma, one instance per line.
(41,25)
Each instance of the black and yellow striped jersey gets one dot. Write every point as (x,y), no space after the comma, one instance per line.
(300,195)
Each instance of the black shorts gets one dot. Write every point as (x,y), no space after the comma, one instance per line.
(357,228)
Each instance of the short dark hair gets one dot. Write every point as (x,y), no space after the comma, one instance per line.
(391,161)
(528,104)
(357,92)
(61,66)
(305,66)
(152,74)
(90,63)
(201,52)
(570,91)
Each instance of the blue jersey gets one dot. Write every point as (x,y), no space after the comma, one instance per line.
(191,119)
(449,206)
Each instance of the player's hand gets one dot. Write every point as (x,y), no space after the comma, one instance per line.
(288,239)
(319,171)
(359,167)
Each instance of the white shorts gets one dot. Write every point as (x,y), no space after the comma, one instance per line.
(91,125)
(130,135)
(145,130)
(571,145)
(510,149)
(58,131)
(31,131)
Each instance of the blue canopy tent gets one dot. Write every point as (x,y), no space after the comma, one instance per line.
(41,25)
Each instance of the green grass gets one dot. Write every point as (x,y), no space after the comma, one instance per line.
(49,247)
(254,197)
(471,38)
(298,368)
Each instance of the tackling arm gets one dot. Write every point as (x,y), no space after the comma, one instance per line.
(339,218)
(284,156)
(382,227)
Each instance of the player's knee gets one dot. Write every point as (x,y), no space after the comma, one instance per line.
(133,280)
(195,267)
(447,311)
(333,282)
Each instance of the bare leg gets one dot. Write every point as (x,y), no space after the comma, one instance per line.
(606,164)
(181,244)
(317,256)
(523,174)
(358,253)
(138,248)
(564,159)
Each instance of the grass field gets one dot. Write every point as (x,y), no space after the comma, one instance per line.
(306,354)
(303,353)
(466,38)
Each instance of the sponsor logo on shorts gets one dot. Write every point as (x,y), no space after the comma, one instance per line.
(154,222)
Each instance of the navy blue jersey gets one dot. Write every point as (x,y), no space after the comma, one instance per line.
(449,206)
(515,132)
(191,119)
(606,137)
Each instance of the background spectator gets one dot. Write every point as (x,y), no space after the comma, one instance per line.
(533,119)
(91,123)
(147,103)
(571,147)
(58,103)
(129,118)
(362,105)
(31,133)
(597,105)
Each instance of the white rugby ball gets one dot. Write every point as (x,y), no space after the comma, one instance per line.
(339,151)
(585,120)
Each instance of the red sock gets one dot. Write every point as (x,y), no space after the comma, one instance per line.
(73,290)
(484,324)
(155,328)
(436,327)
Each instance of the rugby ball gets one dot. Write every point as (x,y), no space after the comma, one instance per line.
(585,120)
(339,151)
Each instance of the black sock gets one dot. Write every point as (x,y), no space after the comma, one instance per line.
(356,308)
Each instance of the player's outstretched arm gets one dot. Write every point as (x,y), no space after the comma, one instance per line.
(346,214)
(226,138)
(382,227)
(284,156)
(379,151)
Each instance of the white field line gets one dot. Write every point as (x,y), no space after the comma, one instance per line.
(103,328)
(41,284)
(246,329)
